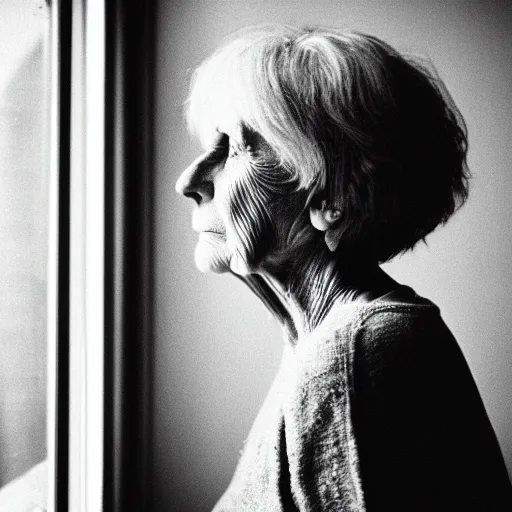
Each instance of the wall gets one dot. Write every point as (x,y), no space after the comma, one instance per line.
(216,347)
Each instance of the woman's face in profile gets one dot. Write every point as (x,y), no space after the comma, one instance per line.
(211,181)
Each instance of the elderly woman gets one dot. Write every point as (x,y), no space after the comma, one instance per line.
(326,154)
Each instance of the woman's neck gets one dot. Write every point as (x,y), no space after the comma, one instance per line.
(301,293)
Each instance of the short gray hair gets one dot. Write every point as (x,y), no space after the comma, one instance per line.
(350,119)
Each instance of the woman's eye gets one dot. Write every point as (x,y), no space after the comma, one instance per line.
(236,150)
(233,151)
(226,147)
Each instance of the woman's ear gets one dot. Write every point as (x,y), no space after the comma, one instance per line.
(323,218)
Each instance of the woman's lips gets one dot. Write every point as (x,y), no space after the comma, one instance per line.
(215,228)
(210,232)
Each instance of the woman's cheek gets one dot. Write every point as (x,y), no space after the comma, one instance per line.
(244,206)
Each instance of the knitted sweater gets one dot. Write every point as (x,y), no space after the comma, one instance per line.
(375,410)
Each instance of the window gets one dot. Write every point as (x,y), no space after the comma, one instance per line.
(74,192)
(24,242)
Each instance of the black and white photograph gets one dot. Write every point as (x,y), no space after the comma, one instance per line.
(255,256)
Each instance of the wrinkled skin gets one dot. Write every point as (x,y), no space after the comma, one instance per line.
(253,222)
(244,207)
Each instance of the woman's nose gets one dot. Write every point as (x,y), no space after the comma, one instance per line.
(195,181)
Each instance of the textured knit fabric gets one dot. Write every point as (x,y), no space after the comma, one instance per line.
(375,410)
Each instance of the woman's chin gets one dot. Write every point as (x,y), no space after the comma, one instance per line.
(211,257)
(239,266)
(214,255)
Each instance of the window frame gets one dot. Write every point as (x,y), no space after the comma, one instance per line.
(58,261)
(129,258)
(100,316)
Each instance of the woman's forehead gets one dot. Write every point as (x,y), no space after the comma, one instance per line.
(214,120)
(221,101)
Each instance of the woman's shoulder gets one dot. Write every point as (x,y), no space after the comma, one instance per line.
(400,320)
(416,405)
(394,323)
(400,305)
(402,330)
(398,312)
